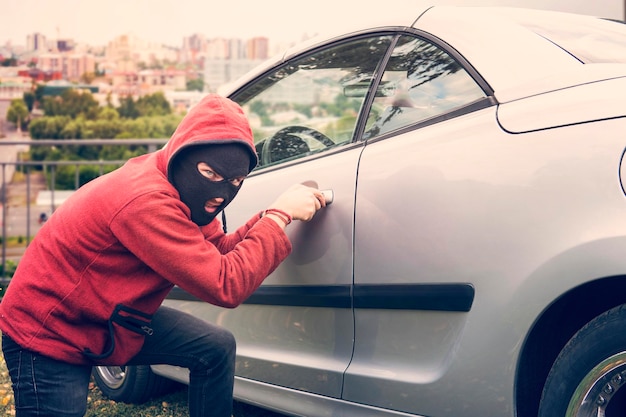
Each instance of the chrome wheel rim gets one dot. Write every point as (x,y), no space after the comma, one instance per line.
(594,393)
(112,376)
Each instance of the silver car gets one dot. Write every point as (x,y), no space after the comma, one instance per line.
(473,259)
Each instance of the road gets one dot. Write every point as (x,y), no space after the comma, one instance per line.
(16,213)
(22,219)
(17,224)
(8,155)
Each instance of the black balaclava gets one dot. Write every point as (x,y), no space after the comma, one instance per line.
(229,160)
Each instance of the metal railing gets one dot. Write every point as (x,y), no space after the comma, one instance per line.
(9,168)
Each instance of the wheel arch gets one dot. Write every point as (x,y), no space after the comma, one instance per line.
(552,330)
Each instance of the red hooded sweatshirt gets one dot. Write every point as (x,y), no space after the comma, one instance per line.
(89,282)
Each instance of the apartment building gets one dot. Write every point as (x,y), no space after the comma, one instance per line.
(128,51)
(12,84)
(140,83)
(71,65)
(36,42)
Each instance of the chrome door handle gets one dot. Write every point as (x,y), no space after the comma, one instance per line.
(329,196)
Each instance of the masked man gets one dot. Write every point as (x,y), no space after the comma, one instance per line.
(89,288)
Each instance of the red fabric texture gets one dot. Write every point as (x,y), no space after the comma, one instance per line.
(126,238)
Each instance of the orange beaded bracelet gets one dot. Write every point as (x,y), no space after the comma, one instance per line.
(281,214)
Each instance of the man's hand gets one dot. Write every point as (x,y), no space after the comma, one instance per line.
(299,202)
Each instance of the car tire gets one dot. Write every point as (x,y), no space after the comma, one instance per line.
(131,384)
(589,375)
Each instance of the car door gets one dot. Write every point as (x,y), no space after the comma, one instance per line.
(409,310)
(297,330)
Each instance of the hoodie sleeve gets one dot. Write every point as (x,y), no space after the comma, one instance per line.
(226,242)
(155,229)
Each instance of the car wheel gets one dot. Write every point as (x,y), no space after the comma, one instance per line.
(589,375)
(131,384)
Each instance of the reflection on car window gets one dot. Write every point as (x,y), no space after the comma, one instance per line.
(309,105)
(420,81)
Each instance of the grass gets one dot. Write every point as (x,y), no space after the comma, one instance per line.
(16,242)
(171,405)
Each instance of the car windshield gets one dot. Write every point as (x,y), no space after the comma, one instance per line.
(589,40)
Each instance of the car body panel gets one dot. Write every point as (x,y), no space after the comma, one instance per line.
(583,74)
(580,104)
(447,227)
(296,403)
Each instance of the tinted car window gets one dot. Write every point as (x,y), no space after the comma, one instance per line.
(306,106)
(420,81)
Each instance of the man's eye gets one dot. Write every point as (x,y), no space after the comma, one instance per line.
(236,181)
(210,175)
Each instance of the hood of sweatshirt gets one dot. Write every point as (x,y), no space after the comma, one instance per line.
(214,120)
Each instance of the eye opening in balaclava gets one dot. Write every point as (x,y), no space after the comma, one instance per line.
(229,160)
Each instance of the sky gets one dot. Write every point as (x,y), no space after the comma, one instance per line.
(168,21)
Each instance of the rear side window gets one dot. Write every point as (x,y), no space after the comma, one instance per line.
(421,81)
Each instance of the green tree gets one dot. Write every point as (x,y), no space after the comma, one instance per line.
(39,90)
(72,103)
(260,108)
(65,176)
(153,105)
(74,129)
(18,113)
(127,108)
(75,115)
(150,105)
(48,127)
(195,85)
(104,128)
(108,113)
(29,99)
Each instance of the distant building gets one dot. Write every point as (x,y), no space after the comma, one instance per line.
(13,86)
(65,45)
(126,52)
(37,75)
(220,48)
(80,64)
(151,81)
(257,48)
(194,48)
(36,42)
(71,65)
(225,60)
(218,72)
(182,101)
(137,84)
(56,88)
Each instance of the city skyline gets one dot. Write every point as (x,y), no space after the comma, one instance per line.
(169,21)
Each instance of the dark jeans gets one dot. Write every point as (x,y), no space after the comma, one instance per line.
(45,387)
